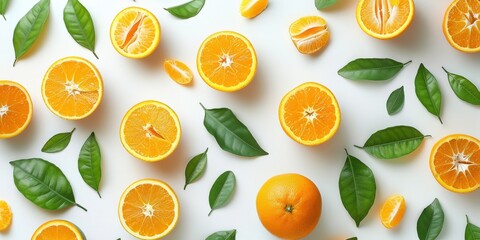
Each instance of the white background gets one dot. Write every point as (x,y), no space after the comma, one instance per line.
(280,68)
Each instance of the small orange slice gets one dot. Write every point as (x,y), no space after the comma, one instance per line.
(149,209)
(385,19)
(227,61)
(461,25)
(135,32)
(5,215)
(15,109)
(309,34)
(178,71)
(57,230)
(309,114)
(392,211)
(72,88)
(252,8)
(150,131)
(455,163)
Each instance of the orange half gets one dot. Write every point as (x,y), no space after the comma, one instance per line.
(15,109)
(461,25)
(57,230)
(309,34)
(392,211)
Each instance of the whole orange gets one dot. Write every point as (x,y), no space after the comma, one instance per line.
(289,206)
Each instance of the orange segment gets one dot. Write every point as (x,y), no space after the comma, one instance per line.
(385,19)
(178,71)
(455,163)
(72,88)
(392,211)
(5,215)
(252,8)
(309,114)
(57,230)
(227,61)
(150,131)
(149,209)
(135,32)
(15,109)
(309,34)
(461,25)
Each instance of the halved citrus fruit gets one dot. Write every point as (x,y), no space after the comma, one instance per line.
(15,109)
(150,131)
(309,34)
(392,211)
(178,71)
(252,8)
(455,163)
(227,61)
(135,32)
(57,230)
(309,114)
(5,215)
(461,25)
(385,19)
(149,209)
(72,88)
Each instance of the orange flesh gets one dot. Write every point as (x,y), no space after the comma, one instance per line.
(135,32)
(309,34)
(178,71)
(392,211)
(132,33)
(14,109)
(384,16)
(463,23)
(58,232)
(5,215)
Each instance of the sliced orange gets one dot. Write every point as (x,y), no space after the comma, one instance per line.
(135,32)
(5,215)
(15,109)
(309,34)
(227,61)
(72,88)
(455,163)
(461,25)
(178,71)
(149,209)
(392,211)
(57,230)
(252,8)
(150,131)
(309,114)
(385,19)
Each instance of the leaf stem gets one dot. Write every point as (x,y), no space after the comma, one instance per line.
(203,106)
(95,54)
(210,212)
(445,70)
(80,206)
(407,63)
(73,130)
(185,186)
(427,136)
(3,15)
(14,62)
(439,118)
(358,146)
(346,152)
(99,194)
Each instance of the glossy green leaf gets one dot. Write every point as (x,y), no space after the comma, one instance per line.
(29,28)
(352,238)
(221,191)
(375,69)
(395,101)
(357,188)
(186,10)
(3,8)
(79,24)
(43,183)
(428,91)
(430,222)
(464,88)
(90,163)
(231,134)
(393,142)
(472,232)
(58,142)
(195,168)
(321,4)
(223,235)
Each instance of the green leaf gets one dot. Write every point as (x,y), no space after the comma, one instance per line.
(43,183)
(393,142)
(375,69)
(58,142)
(357,188)
(90,163)
(428,91)
(3,8)
(195,168)
(464,88)
(186,10)
(223,235)
(395,101)
(430,222)
(231,134)
(472,232)
(321,4)
(79,24)
(29,27)
(221,191)
(352,238)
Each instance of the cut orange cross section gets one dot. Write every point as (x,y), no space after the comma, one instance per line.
(57,230)
(461,25)
(15,109)
(309,34)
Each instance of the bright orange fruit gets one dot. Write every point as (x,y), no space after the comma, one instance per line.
(57,230)
(252,8)
(149,209)
(5,215)
(309,34)
(15,109)
(178,71)
(392,211)
(461,25)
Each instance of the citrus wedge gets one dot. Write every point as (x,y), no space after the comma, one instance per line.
(392,211)
(309,34)
(5,215)
(57,230)
(178,71)
(252,8)
(15,109)
(461,25)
